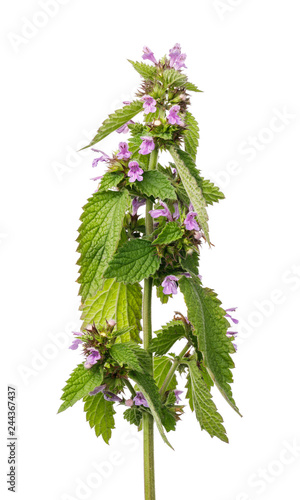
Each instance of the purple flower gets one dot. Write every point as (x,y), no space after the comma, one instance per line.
(162,212)
(177,394)
(140,399)
(176,211)
(231,334)
(92,358)
(100,388)
(176,58)
(173,117)
(148,54)
(169,285)
(124,129)
(127,103)
(109,396)
(147,145)
(149,104)
(123,154)
(136,204)
(104,157)
(190,222)
(232,309)
(135,171)
(235,346)
(96,178)
(75,344)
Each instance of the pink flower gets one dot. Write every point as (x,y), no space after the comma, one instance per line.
(92,358)
(169,285)
(103,157)
(173,117)
(190,222)
(161,212)
(149,104)
(148,54)
(136,204)
(177,395)
(123,154)
(124,129)
(176,57)
(135,172)
(147,145)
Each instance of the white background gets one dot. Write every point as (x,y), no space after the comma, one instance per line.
(59,81)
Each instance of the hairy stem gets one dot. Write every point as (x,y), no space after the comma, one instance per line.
(149,478)
(173,369)
(132,391)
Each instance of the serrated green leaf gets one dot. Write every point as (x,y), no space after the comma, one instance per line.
(117,301)
(110,180)
(208,318)
(166,337)
(116,120)
(191,136)
(80,383)
(133,415)
(169,421)
(171,232)
(135,261)
(100,415)
(190,263)
(192,88)
(156,184)
(133,355)
(161,367)
(205,409)
(173,78)
(211,192)
(146,71)
(182,161)
(99,235)
(148,387)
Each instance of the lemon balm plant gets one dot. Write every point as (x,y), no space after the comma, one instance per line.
(119,249)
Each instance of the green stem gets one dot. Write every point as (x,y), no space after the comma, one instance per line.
(173,369)
(132,391)
(149,477)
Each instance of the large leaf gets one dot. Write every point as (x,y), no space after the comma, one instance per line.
(80,383)
(100,415)
(148,387)
(133,355)
(191,136)
(208,318)
(171,232)
(135,261)
(156,184)
(145,70)
(99,235)
(166,337)
(117,301)
(116,120)
(192,188)
(205,409)
(162,366)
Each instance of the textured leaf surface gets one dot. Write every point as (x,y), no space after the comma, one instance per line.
(192,188)
(161,369)
(211,193)
(99,235)
(208,318)
(133,415)
(191,137)
(173,78)
(171,232)
(116,120)
(133,355)
(135,261)
(100,415)
(117,301)
(151,393)
(156,184)
(205,409)
(190,263)
(166,337)
(145,70)
(80,383)
(110,180)
(191,87)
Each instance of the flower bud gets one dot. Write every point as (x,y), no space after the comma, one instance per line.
(111,323)
(129,402)
(157,123)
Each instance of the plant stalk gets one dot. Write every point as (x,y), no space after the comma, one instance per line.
(148,427)
(173,368)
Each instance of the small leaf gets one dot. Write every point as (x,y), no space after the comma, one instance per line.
(99,234)
(191,136)
(211,193)
(190,263)
(80,383)
(116,120)
(148,387)
(171,232)
(166,337)
(162,366)
(173,78)
(110,180)
(205,409)
(117,301)
(135,261)
(132,355)
(100,415)
(133,415)
(146,71)
(192,88)
(156,184)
